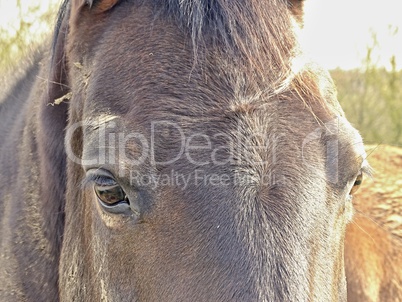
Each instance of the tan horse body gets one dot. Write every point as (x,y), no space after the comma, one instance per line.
(373,243)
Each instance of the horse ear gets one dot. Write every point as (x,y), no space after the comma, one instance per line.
(99,6)
(52,121)
(297,9)
(102,5)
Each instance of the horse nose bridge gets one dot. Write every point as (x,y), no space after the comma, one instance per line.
(247,249)
(279,242)
(273,237)
(209,257)
(230,246)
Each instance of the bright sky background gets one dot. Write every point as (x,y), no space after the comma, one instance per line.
(336,34)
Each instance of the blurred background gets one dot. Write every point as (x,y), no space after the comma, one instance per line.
(359,41)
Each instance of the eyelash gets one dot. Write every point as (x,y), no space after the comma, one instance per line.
(96,179)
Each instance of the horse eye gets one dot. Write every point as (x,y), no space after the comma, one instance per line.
(356,185)
(110,195)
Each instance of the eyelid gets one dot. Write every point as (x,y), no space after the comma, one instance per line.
(367,170)
(99,177)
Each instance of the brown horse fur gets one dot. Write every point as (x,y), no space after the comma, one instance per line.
(218,69)
(373,262)
(373,243)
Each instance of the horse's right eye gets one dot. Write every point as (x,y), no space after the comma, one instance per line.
(110,195)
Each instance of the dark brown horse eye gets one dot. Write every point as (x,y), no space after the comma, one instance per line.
(356,185)
(110,195)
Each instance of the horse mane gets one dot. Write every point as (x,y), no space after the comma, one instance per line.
(257,36)
(260,37)
(258,33)
(232,21)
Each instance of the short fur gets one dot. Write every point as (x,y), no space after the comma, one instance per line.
(212,67)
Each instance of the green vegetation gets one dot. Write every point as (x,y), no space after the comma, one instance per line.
(372,99)
(370,96)
(20,38)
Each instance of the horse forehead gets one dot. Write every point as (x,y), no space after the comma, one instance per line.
(162,59)
(155,72)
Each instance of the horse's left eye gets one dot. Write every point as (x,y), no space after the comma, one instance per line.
(357,183)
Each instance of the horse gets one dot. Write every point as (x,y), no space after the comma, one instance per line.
(175,151)
(373,242)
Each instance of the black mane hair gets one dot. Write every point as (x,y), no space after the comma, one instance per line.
(255,33)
